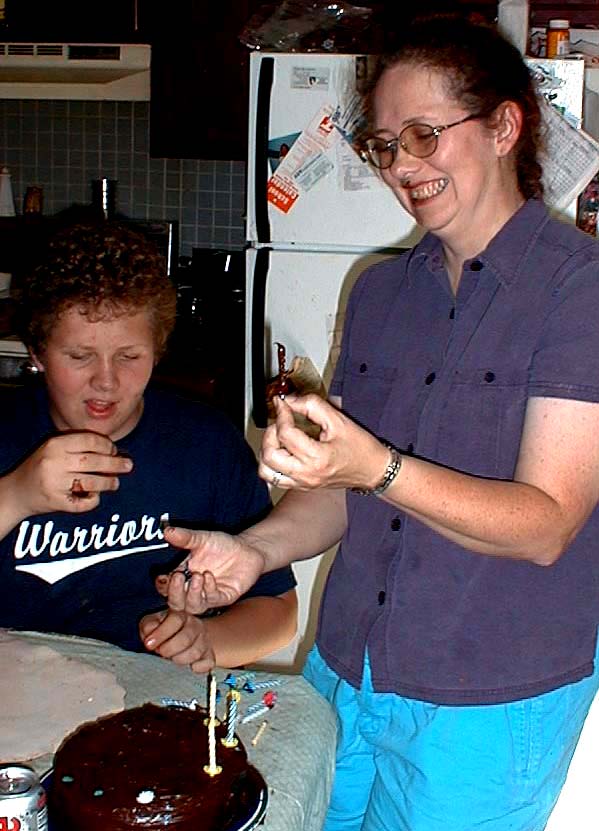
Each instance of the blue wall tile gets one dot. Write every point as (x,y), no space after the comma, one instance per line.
(63,145)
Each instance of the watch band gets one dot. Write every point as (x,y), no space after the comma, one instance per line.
(391,471)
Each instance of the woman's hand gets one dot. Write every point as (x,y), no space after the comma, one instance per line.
(180,637)
(345,455)
(68,473)
(223,568)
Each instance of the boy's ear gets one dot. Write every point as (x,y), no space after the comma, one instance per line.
(36,361)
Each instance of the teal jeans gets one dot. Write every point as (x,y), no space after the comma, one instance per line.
(406,765)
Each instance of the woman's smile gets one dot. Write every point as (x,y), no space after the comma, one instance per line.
(426,190)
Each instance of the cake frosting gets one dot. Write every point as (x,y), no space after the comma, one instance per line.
(143,768)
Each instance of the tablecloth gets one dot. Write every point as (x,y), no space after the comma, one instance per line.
(295,754)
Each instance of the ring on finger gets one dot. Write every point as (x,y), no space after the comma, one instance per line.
(183,568)
(276,478)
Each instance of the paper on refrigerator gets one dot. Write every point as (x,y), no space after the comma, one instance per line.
(570,161)
(312,155)
(306,163)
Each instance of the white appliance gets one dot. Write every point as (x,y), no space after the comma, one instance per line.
(75,71)
(316,216)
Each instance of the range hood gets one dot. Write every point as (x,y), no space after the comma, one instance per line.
(75,71)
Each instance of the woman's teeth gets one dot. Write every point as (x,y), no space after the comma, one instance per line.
(429,189)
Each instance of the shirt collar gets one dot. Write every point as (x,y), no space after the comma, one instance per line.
(503,255)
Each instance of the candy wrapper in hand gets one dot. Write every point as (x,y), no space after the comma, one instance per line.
(301,378)
(307,26)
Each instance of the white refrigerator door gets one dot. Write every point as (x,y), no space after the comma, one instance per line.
(298,299)
(324,195)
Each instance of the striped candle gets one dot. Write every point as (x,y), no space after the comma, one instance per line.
(233,699)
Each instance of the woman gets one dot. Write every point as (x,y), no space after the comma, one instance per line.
(457,630)
(93,460)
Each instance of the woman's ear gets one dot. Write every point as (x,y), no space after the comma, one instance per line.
(508,125)
(36,361)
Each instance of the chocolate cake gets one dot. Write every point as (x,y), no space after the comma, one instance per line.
(143,768)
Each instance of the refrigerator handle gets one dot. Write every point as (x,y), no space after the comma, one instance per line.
(258,360)
(265,82)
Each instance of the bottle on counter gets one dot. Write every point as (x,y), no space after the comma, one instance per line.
(7,201)
(34,200)
(558,38)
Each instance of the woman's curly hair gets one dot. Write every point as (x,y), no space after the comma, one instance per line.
(104,269)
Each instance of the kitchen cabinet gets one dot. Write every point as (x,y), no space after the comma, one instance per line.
(110,21)
(580,13)
(199,80)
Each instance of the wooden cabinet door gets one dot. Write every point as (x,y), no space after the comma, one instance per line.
(199,80)
(109,21)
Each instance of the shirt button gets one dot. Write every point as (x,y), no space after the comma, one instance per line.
(430,378)
(381,598)
(489,377)
(410,448)
(476,265)
(395,523)
(363,367)
(452,314)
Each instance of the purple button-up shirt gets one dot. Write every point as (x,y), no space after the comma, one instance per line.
(448,378)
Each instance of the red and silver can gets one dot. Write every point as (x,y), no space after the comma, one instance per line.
(22,799)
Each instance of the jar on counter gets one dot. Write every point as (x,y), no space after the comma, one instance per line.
(34,200)
(558,38)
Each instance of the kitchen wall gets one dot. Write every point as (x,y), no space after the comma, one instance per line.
(63,145)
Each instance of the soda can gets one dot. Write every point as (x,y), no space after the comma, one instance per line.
(22,799)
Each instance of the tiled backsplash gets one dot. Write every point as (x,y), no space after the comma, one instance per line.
(63,145)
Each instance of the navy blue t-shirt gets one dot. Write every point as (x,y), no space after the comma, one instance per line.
(92,574)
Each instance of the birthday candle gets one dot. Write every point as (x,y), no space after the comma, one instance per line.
(245,676)
(250,715)
(233,699)
(190,704)
(212,769)
(212,700)
(259,733)
(230,680)
(264,685)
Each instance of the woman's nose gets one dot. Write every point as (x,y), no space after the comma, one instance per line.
(404,165)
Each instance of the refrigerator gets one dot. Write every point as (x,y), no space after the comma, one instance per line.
(316,216)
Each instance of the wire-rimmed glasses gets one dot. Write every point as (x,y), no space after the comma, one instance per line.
(419,140)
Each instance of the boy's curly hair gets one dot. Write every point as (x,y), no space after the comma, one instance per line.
(104,269)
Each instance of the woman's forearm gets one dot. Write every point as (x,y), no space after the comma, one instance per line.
(303,524)
(489,516)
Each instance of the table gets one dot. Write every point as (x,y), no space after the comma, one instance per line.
(296,753)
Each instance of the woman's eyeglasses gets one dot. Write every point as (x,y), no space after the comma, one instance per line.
(419,140)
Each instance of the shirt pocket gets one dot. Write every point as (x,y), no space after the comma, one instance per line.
(367,386)
(482,420)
